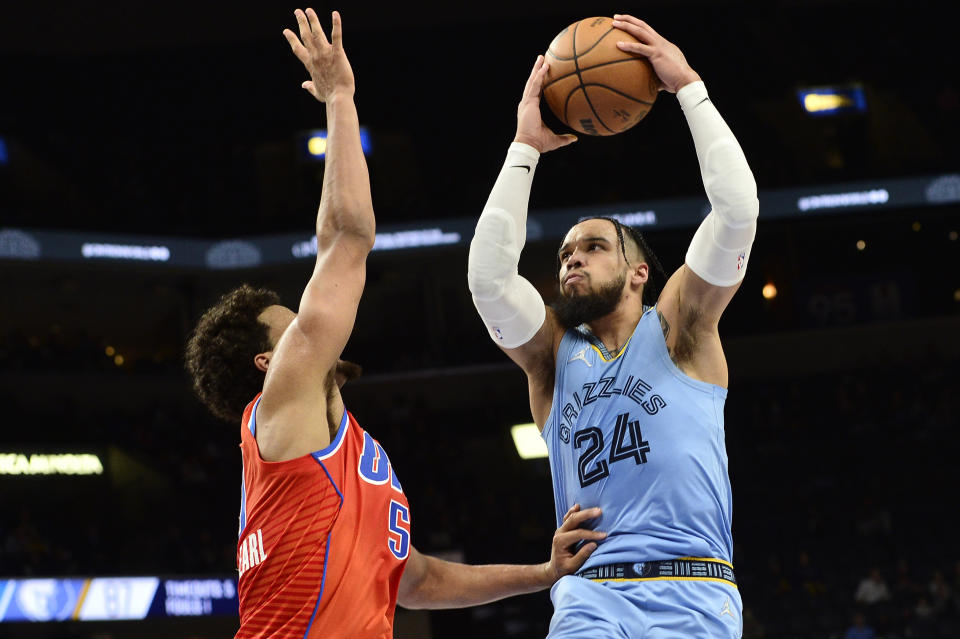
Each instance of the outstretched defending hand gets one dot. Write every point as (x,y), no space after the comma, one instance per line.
(563,561)
(667,59)
(326,62)
(530,127)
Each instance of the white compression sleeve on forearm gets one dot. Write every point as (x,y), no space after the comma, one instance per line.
(509,305)
(721,246)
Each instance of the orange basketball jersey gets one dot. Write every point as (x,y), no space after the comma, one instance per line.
(323,539)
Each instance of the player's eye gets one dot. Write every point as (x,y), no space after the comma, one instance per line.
(564,256)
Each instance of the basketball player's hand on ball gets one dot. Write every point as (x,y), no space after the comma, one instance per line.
(667,58)
(327,64)
(530,127)
(565,557)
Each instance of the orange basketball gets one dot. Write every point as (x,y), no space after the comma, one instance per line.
(591,85)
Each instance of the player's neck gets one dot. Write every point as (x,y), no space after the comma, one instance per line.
(615,329)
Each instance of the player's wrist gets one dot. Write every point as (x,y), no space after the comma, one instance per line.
(692,94)
(547,574)
(686,80)
(529,140)
(340,95)
(523,152)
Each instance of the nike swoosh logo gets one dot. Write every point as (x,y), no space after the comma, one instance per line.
(521,166)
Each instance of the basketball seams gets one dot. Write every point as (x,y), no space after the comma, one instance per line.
(592,46)
(580,78)
(566,103)
(573,41)
(596,66)
(620,93)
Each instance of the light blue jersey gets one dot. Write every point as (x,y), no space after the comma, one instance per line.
(632,434)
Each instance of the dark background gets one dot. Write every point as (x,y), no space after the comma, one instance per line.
(185,120)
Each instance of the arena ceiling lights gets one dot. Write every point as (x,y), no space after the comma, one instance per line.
(529,443)
(833,100)
(315,144)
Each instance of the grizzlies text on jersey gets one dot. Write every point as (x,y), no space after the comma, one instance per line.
(630,433)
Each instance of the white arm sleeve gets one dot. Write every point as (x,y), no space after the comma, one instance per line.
(509,305)
(721,246)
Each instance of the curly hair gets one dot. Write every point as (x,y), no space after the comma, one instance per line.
(220,352)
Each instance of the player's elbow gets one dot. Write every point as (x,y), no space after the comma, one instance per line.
(485,283)
(730,184)
(740,210)
(360,237)
(347,221)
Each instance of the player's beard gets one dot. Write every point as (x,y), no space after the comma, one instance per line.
(574,310)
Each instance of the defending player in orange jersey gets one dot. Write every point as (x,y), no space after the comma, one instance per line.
(325,545)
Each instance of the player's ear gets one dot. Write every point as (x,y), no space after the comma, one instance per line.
(262,360)
(639,274)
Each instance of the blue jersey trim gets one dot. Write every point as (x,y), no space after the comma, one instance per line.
(252,424)
(322,453)
(323,582)
(599,346)
(335,444)
(326,556)
(243,500)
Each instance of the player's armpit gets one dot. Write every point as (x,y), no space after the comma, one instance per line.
(689,309)
(701,303)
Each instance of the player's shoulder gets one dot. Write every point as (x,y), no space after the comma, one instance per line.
(538,354)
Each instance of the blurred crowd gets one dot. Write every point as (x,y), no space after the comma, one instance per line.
(841,494)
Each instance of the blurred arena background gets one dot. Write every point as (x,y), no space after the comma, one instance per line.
(153,157)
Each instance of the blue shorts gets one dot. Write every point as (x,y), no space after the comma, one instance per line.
(657,609)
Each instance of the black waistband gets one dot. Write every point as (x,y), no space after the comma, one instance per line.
(668,569)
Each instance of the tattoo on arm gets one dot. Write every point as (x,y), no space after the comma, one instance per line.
(679,349)
(664,325)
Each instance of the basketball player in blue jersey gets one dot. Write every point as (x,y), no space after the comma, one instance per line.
(629,397)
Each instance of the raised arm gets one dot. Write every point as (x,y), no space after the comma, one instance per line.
(695,297)
(294,409)
(717,258)
(433,583)
(512,309)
